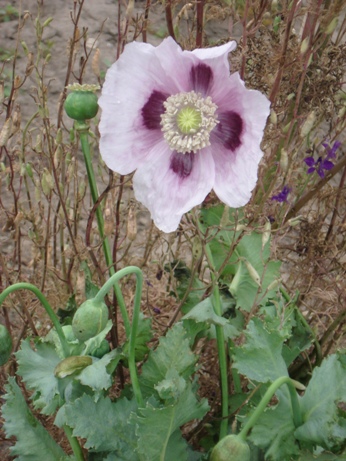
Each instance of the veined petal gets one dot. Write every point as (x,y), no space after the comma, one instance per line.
(125,140)
(236,164)
(171,186)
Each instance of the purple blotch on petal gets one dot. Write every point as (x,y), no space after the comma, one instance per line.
(229,129)
(153,109)
(201,77)
(182,164)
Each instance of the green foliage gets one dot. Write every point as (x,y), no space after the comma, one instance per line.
(248,269)
(322,403)
(37,370)
(324,422)
(104,424)
(157,426)
(173,353)
(33,441)
(262,346)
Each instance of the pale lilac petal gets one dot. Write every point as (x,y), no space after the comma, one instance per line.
(217,59)
(125,141)
(236,166)
(175,63)
(168,194)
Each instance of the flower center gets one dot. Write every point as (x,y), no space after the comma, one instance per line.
(187,121)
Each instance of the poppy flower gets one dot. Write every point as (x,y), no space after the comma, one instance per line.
(184,125)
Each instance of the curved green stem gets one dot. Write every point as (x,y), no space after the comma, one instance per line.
(297,416)
(83,129)
(45,304)
(135,318)
(76,448)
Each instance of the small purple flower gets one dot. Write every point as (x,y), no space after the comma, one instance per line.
(184,124)
(282,196)
(321,165)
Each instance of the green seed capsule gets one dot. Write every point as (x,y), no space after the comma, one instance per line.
(81,104)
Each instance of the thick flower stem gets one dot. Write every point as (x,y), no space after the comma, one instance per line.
(220,340)
(135,317)
(76,448)
(45,304)
(297,416)
(83,130)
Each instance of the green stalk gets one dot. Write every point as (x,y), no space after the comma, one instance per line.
(135,318)
(45,304)
(76,448)
(220,341)
(83,130)
(297,416)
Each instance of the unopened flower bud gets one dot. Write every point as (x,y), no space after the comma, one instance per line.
(95,63)
(266,233)
(47,22)
(89,320)
(47,182)
(30,64)
(304,45)
(231,448)
(273,117)
(308,124)
(332,26)
(5,132)
(252,272)
(284,160)
(129,9)
(294,221)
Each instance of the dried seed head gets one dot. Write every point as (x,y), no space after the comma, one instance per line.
(284,160)
(95,63)
(273,117)
(30,64)
(252,272)
(308,124)
(131,223)
(5,132)
(266,233)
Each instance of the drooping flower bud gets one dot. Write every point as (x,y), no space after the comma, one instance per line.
(81,104)
(89,320)
(231,448)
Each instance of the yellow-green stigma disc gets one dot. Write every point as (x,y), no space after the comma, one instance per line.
(189,120)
